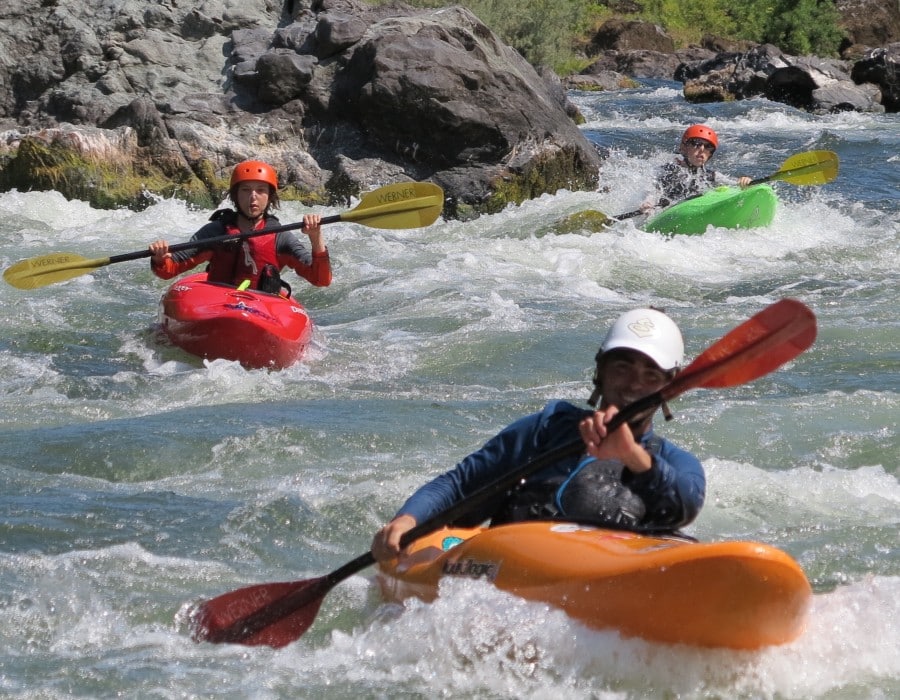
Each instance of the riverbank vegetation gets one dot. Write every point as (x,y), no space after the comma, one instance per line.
(555,32)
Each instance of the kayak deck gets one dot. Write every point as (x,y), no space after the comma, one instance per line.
(722,207)
(740,595)
(218,321)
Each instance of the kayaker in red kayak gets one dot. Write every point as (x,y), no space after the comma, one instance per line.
(258,261)
(688,175)
(630,478)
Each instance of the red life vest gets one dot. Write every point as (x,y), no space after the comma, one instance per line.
(232,264)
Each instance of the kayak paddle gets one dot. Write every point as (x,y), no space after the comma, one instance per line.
(808,168)
(401,205)
(276,614)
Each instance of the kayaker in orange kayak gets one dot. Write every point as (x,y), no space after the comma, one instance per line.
(258,261)
(630,478)
(688,175)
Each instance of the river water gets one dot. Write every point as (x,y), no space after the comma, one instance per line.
(135,480)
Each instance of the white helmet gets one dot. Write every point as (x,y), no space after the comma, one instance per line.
(648,331)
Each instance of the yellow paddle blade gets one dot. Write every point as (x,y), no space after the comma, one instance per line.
(401,205)
(809,168)
(48,269)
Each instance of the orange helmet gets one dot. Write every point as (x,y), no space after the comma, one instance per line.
(254,170)
(699,131)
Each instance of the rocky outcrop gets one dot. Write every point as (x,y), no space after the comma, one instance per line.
(868,24)
(623,50)
(612,66)
(124,101)
(631,35)
(742,71)
(881,67)
(808,83)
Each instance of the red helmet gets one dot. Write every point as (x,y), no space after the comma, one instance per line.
(699,131)
(254,170)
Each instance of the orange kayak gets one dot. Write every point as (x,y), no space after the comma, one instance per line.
(739,595)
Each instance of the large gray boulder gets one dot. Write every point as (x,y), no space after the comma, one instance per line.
(806,82)
(881,67)
(338,95)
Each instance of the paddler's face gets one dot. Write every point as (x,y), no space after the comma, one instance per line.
(697,151)
(253,198)
(629,375)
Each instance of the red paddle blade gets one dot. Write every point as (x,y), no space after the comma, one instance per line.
(761,344)
(272,614)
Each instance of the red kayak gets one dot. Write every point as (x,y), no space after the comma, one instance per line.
(219,321)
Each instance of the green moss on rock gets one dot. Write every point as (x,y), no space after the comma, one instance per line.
(547,173)
(589,220)
(37,165)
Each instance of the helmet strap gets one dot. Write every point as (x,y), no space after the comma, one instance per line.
(667,414)
(253,222)
(598,385)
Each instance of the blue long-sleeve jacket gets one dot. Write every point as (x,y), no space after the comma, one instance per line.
(673,489)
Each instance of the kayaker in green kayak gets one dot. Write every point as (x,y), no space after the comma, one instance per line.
(629,478)
(688,175)
(257,262)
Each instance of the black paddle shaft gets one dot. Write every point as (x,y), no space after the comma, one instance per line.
(500,485)
(316,589)
(216,240)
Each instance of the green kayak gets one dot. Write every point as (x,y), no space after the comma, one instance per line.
(722,207)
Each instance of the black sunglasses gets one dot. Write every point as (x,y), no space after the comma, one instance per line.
(700,143)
